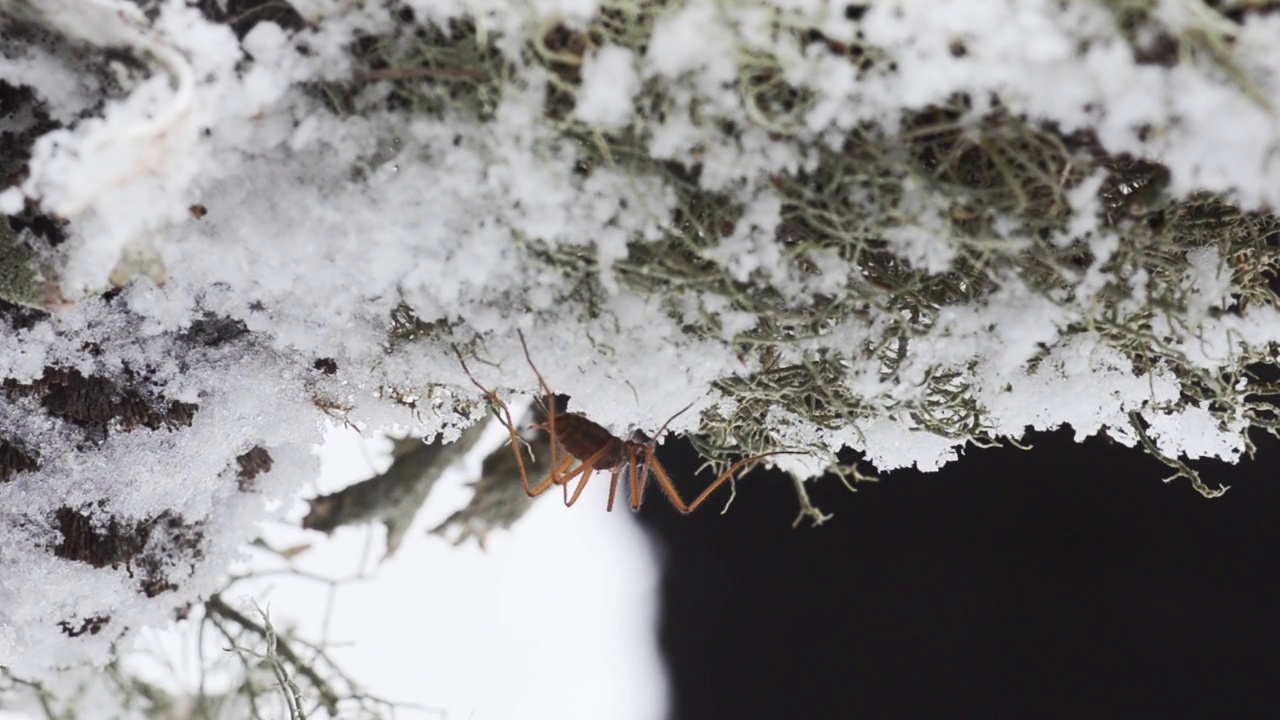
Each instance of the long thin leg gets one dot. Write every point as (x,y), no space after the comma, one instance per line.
(589,465)
(551,398)
(664,482)
(505,418)
(630,467)
(557,473)
(613,486)
(582,485)
(733,469)
(585,471)
(663,429)
(638,478)
(555,478)
(643,456)
(669,487)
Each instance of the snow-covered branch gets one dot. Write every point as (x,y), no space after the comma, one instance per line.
(896,228)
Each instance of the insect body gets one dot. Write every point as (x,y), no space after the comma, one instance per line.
(592,447)
(589,443)
(582,438)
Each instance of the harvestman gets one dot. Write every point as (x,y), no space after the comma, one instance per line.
(595,448)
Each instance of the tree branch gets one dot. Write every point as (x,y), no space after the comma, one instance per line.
(395,496)
(216,606)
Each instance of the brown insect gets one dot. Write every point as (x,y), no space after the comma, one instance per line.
(589,444)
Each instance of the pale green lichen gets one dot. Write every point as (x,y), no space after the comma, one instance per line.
(20,281)
(1005,186)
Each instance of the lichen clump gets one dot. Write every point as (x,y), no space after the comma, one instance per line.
(832,258)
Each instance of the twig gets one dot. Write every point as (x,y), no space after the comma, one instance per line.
(251,690)
(1183,470)
(421,73)
(42,695)
(292,695)
(807,508)
(217,606)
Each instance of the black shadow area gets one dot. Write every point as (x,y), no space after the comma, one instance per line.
(1062,581)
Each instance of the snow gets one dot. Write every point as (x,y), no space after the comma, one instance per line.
(609,84)
(320,225)
(1026,53)
(694,39)
(1195,433)
(890,443)
(11,201)
(63,88)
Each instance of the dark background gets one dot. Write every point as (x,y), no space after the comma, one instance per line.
(1063,581)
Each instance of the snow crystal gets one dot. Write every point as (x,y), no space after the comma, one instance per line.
(891,443)
(694,39)
(1195,433)
(609,83)
(1082,383)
